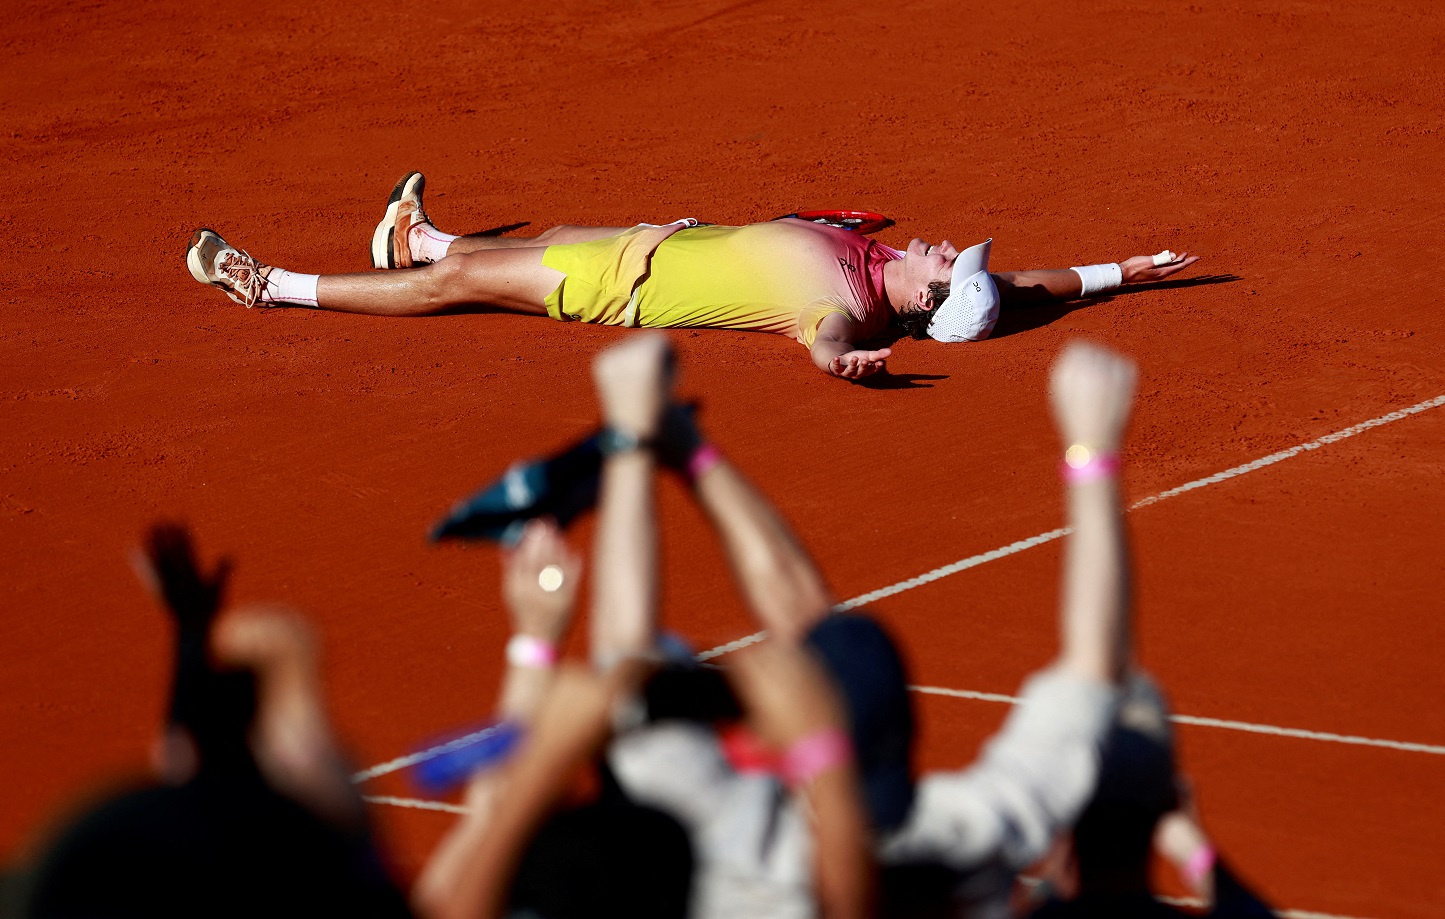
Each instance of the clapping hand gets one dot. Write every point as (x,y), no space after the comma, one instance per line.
(539,582)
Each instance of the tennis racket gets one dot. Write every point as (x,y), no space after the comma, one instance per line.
(865,222)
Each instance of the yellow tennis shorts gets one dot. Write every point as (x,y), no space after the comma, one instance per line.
(602,275)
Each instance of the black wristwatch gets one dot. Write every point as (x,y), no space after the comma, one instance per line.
(611,441)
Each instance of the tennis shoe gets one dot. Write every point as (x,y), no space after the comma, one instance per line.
(214,261)
(390,247)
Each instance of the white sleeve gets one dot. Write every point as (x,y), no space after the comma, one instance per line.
(675,766)
(1033,779)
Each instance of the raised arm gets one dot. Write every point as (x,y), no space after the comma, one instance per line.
(572,724)
(1055,285)
(1092,391)
(835,353)
(782,585)
(540,578)
(1038,772)
(793,706)
(633,383)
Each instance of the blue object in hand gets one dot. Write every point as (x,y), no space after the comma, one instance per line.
(446,765)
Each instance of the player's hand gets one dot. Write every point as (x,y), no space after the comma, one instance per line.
(1141,268)
(1092,391)
(634,383)
(539,582)
(785,692)
(855,365)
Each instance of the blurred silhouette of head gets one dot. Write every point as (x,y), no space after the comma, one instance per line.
(1136,788)
(610,858)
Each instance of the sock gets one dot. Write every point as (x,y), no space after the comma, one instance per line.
(284,286)
(428,244)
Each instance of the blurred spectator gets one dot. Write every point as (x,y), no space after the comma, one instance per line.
(256,814)
(1141,804)
(953,843)
(786,698)
(607,856)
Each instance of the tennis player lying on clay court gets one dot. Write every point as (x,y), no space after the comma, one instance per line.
(831,289)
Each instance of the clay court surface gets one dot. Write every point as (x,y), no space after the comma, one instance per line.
(1298,146)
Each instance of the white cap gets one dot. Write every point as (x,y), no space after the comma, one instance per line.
(971,309)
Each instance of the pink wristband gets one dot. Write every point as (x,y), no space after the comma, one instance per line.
(1083,465)
(703,459)
(529,651)
(1199,865)
(814,755)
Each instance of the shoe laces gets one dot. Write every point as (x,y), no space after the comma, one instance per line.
(242,274)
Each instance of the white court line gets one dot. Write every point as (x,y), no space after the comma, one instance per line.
(1016,547)
(416,804)
(1310,735)
(403,762)
(1013,548)
(1274,730)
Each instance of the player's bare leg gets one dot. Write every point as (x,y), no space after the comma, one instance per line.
(556,236)
(406,237)
(506,279)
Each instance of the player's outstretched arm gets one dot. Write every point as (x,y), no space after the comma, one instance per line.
(780,581)
(835,354)
(1055,285)
(1092,391)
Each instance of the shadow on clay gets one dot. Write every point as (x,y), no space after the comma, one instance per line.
(1177,284)
(900,380)
(1023,318)
(504,228)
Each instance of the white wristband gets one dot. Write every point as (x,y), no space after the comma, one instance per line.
(1097,278)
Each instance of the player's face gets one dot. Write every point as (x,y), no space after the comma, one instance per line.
(922,265)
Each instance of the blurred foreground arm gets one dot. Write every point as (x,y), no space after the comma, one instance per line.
(780,581)
(291,738)
(540,602)
(634,381)
(790,703)
(571,726)
(247,688)
(1092,391)
(540,580)
(1037,773)
(1181,840)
